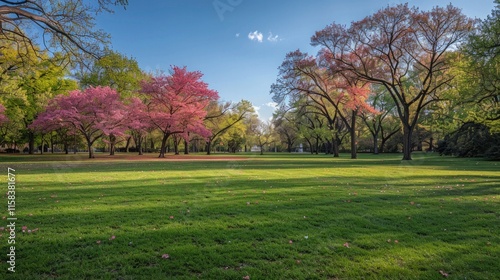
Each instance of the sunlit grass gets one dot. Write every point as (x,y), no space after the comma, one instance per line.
(268,217)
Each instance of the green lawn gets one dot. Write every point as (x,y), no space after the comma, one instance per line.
(266,217)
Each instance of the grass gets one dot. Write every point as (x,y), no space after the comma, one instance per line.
(266,217)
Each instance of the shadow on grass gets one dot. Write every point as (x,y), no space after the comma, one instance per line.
(226,225)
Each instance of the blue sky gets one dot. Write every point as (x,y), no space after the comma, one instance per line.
(238,44)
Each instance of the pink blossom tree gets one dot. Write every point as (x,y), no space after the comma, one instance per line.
(94,112)
(177,103)
(335,95)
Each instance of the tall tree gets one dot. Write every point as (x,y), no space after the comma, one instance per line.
(27,86)
(401,48)
(483,68)
(116,71)
(176,103)
(300,74)
(94,112)
(66,25)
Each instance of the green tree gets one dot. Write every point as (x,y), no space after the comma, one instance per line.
(221,117)
(484,67)
(66,26)
(26,87)
(116,71)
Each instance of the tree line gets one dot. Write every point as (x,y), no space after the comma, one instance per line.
(400,75)
(400,79)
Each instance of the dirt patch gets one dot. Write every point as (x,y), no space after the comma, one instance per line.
(154,157)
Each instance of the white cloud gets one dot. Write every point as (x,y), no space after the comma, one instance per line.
(257,109)
(273,38)
(256,36)
(273,105)
(237,35)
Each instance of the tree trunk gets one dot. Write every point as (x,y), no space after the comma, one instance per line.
(186,147)
(112,140)
(163,146)
(407,133)
(91,152)
(335,143)
(289,146)
(375,144)
(128,144)
(138,144)
(352,129)
(31,142)
(209,146)
(176,146)
(51,145)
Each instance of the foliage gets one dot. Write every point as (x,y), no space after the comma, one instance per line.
(303,81)
(224,119)
(402,49)
(94,112)
(483,49)
(176,103)
(471,140)
(67,26)
(116,71)
(26,85)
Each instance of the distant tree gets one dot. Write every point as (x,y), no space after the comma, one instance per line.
(333,94)
(286,126)
(66,25)
(222,116)
(402,49)
(263,134)
(376,122)
(116,71)
(94,112)
(176,104)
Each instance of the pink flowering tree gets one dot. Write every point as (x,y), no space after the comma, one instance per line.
(176,103)
(94,113)
(337,96)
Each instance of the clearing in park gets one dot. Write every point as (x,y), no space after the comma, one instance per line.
(254,217)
